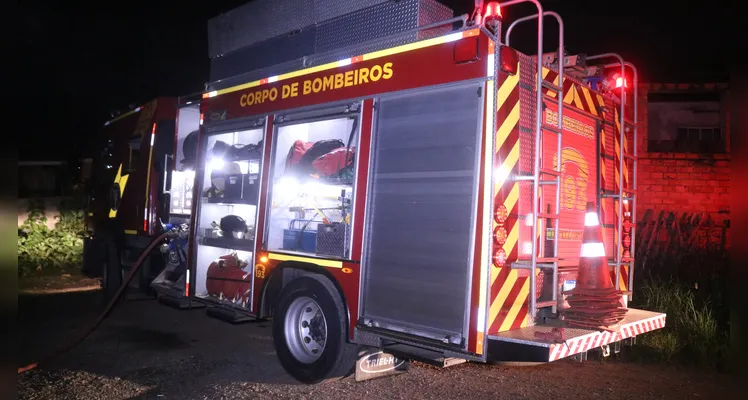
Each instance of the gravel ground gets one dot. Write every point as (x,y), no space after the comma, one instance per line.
(149,351)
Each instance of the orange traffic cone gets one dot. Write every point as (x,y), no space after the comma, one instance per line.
(594,303)
(593,265)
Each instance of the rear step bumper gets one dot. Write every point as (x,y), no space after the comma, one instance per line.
(409,346)
(522,345)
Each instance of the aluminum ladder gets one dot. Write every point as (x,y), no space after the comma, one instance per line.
(539,178)
(624,195)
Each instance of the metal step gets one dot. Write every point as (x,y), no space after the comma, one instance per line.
(548,171)
(232,316)
(179,302)
(551,128)
(547,303)
(526,264)
(548,216)
(617,195)
(551,86)
(423,355)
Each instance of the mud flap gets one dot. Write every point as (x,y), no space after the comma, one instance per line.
(376,363)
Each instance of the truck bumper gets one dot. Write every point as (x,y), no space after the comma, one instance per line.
(523,345)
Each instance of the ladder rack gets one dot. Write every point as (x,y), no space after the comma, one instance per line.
(624,195)
(540,175)
(575,66)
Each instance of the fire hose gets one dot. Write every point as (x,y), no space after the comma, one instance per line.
(95,324)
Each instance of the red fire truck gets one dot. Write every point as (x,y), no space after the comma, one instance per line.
(422,193)
(142,154)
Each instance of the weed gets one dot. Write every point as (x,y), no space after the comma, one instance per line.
(691,333)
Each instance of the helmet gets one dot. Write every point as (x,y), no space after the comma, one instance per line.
(233,223)
(189,147)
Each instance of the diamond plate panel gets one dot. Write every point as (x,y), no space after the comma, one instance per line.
(275,51)
(346,31)
(366,24)
(526,335)
(526,154)
(264,19)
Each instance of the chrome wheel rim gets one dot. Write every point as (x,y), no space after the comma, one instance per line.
(305,329)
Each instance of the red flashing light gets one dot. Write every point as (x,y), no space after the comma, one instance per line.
(621,82)
(509,60)
(493,11)
(153,131)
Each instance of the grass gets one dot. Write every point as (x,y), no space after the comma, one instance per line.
(692,334)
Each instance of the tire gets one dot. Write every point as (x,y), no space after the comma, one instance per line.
(112,277)
(336,357)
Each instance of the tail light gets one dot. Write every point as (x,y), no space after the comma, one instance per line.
(501,214)
(499,258)
(509,60)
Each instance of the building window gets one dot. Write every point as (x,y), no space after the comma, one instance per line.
(685,124)
(691,139)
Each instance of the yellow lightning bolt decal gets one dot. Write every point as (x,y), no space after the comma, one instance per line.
(122,181)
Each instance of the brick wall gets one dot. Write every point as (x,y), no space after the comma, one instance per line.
(682,182)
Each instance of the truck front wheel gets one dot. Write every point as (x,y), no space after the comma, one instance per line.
(309,330)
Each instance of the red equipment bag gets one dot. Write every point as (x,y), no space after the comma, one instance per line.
(331,163)
(297,150)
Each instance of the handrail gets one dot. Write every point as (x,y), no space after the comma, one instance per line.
(538,135)
(560,106)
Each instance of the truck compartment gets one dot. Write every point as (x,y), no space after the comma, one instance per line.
(418,251)
(227,216)
(313,173)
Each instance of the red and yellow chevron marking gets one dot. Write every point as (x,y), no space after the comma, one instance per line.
(617,141)
(508,291)
(576,94)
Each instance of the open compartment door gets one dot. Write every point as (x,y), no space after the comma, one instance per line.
(226,216)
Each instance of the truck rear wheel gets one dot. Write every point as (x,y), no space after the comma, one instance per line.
(309,330)
(112,270)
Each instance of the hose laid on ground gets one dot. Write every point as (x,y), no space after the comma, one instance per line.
(84,334)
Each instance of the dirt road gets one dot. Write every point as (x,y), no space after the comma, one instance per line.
(145,350)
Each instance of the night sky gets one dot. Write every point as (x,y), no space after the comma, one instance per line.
(82,60)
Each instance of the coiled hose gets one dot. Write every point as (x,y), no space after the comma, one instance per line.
(84,333)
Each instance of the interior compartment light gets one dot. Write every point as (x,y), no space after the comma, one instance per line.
(217,163)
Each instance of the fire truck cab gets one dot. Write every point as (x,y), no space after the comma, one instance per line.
(141,180)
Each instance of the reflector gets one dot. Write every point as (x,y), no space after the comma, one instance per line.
(509,60)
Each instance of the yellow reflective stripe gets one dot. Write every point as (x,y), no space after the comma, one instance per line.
(133,111)
(318,261)
(130,232)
